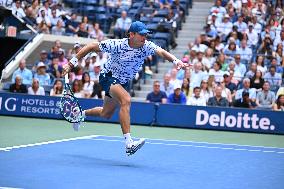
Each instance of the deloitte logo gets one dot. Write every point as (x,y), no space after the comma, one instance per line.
(241,121)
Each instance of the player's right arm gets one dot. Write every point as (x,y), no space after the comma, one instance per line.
(91,47)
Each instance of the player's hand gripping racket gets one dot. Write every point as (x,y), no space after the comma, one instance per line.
(70,108)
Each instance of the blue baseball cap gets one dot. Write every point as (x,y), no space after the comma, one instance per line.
(138,27)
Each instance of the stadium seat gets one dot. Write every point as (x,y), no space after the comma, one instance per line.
(157,19)
(145,19)
(162,13)
(152,27)
(164,36)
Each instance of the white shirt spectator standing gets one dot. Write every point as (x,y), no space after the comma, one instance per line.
(24,73)
(36,89)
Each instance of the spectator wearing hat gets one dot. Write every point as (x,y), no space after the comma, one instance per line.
(41,75)
(229,84)
(244,102)
(225,27)
(177,97)
(196,99)
(18,86)
(95,74)
(217,99)
(36,89)
(23,72)
(156,95)
(265,98)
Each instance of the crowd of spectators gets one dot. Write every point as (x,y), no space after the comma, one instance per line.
(237,61)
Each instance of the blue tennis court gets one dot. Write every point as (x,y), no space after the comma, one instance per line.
(100,162)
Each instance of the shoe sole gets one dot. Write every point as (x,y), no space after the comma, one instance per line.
(133,151)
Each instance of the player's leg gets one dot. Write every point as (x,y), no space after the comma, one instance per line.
(122,96)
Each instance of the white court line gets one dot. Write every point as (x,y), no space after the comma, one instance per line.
(1,187)
(191,145)
(196,142)
(6,149)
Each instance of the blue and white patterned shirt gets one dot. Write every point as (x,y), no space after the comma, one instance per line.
(124,62)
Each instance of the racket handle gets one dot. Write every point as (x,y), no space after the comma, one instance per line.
(66,78)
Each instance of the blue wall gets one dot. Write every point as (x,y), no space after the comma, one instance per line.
(230,119)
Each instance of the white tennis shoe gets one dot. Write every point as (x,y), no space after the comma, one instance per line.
(132,147)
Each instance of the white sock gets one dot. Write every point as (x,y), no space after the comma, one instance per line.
(127,138)
(84,113)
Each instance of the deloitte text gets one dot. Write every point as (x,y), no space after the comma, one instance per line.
(222,119)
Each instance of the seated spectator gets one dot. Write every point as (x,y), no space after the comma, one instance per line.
(18,87)
(88,85)
(77,89)
(218,100)
(225,92)
(124,4)
(244,102)
(185,87)
(197,75)
(205,91)
(43,58)
(18,10)
(62,60)
(225,27)
(98,92)
(260,64)
(229,84)
(279,105)
(177,96)
(58,29)
(245,52)
(166,85)
(246,88)
(252,70)
(265,98)
(43,28)
(122,25)
(196,99)
(279,69)
(23,72)
(242,26)
(217,72)
(43,19)
(41,75)
(257,81)
(200,58)
(54,69)
(96,32)
(78,73)
(237,77)
(156,95)
(54,18)
(95,74)
(198,47)
(82,32)
(231,50)
(57,89)
(273,78)
(29,18)
(72,25)
(36,89)
(266,48)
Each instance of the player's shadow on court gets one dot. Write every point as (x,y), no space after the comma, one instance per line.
(97,161)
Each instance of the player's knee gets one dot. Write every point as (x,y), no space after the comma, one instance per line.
(126,101)
(106,115)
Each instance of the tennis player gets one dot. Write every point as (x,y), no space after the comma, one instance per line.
(126,57)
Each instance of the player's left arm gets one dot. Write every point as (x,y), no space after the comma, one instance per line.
(170,57)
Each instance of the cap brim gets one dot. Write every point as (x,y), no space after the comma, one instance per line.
(144,32)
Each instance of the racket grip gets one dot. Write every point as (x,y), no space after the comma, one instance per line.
(66,78)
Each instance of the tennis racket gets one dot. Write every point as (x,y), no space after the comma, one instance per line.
(70,108)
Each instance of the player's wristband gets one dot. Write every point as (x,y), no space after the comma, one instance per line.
(176,61)
(74,61)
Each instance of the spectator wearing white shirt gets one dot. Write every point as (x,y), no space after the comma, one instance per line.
(197,75)
(95,74)
(205,91)
(36,89)
(240,67)
(43,18)
(122,25)
(198,47)
(218,9)
(279,40)
(225,27)
(196,99)
(217,72)
(257,28)
(87,84)
(245,52)
(166,85)
(18,10)
(246,88)
(200,58)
